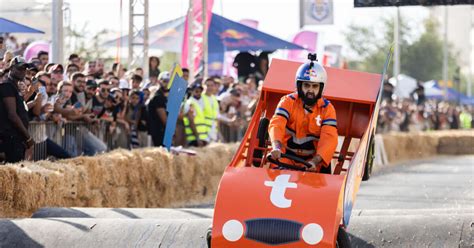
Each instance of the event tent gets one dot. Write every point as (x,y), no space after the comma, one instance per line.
(7,26)
(434,91)
(224,35)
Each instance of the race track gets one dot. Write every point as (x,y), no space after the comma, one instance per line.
(417,204)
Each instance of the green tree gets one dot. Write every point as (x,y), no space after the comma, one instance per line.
(421,58)
(80,43)
(370,45)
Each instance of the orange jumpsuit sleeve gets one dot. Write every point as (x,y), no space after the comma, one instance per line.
(328,138)
(277,126)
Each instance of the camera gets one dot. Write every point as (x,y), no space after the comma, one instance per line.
(312,57)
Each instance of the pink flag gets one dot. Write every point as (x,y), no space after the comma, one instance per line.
(306,39)
(197,33)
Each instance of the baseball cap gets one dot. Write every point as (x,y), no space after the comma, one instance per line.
(164,76)
(91,84)
(56,67)
(196,85)
(19,61)
(123,84)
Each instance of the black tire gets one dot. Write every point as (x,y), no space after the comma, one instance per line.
(262,136)
(209,236)
(370,160)
(343,240)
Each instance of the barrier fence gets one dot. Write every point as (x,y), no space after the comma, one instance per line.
(79,138)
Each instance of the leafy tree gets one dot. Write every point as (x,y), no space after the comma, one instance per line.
(87,48)
(421,59)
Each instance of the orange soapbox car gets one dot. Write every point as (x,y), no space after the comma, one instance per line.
(257,206)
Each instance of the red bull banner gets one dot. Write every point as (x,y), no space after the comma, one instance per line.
(197,36)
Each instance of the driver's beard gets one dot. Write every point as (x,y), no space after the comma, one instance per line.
(197,97)
(310,101)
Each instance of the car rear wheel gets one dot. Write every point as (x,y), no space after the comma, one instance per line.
(343,240)
(209,236)
(370,160)
(262,136)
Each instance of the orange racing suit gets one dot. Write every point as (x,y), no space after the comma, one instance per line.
(305,132)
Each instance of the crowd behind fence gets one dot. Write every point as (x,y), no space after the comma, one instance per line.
(86,108)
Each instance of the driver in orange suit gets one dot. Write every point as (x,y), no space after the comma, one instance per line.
(304,123)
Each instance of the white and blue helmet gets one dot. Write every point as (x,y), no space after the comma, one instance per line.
(311,72)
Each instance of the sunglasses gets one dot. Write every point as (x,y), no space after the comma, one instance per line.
(58,72)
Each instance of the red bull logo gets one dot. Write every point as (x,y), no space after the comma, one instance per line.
(310,73)
(234,34)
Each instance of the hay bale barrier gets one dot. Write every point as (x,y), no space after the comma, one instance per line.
(406,146)
(149,177)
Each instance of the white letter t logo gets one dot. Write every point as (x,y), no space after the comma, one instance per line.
(277,195)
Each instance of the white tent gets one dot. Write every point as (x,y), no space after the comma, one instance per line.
(431,90)
(404,86)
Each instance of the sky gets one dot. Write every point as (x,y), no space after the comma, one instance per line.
(276,17)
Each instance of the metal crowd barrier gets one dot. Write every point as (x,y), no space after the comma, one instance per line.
(231,133)
(70,136)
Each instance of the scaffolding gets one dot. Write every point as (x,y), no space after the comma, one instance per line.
(138,35)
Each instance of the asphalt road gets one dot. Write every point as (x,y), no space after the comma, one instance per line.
(439,183)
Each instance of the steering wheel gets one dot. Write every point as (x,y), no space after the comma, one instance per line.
(290,166)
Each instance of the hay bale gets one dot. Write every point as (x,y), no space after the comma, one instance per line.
(457,143)
(149,177)
(406,146)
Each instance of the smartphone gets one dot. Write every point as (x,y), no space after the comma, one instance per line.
(77,105)
(42,91)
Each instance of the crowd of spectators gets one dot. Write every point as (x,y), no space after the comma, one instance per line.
(131,106)
(418,113)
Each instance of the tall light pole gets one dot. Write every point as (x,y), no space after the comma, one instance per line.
(57,55)
(445,53)
(396,34)
(471,43)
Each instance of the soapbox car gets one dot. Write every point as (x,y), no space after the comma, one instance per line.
(257,206)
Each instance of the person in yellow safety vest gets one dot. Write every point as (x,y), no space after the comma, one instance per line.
(211,108)
(194,121)
(465,118)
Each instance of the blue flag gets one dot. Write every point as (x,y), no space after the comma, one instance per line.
(176,95)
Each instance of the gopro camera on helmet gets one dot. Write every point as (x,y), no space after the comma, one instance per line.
(312,57)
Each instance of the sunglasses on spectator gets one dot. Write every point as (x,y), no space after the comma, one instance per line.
(58,72)
(81,81)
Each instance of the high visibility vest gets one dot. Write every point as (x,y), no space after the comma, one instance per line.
(465,119)
(199,121)
(210,111)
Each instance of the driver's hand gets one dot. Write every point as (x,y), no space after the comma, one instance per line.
(315,162)
(313,167)
(276,153)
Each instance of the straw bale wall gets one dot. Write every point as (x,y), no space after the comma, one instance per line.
(148,177)
(152,177)
(405,146)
